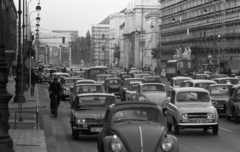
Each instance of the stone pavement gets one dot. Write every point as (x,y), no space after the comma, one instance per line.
(28,138)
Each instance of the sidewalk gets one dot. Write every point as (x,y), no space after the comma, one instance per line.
(28,138)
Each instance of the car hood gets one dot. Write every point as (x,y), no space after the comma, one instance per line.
(219,98)
(188,107)
(131,134)
(93,113)
(158,97)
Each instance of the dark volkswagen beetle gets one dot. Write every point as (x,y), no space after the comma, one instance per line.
(113,85)
(135,127)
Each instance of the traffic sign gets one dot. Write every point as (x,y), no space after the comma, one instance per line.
(29,63)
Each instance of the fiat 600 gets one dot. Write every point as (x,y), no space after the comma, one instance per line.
(191,108)
(125,130)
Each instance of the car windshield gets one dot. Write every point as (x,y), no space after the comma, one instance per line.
(89,89)
(179,81)
(75,74)
(203,85)
(200,76)
(85,82)
(137,115)
(112,81)
(229,81)
(193,97)
(153,87)
(70,81)
(100,78)
(220,90)
(133,87)
(95,101)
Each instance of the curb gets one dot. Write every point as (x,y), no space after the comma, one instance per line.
(32,107)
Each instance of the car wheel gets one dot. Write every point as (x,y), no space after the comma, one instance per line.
(176,129)
(215,129)
(75,135)
(236,118)
(169,126)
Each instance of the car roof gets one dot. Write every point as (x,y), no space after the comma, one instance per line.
(213,85)
(202,81)
(95,94)
(89,84)
(85,80)
(186,89)
(113,78)
(73,78)
(135,103)
(104,75)
(134,79)
(226,78)
(135,82)
(152,76)
(143,74)
(153,83)
(181,77)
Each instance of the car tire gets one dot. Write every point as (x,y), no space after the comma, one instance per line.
(75,135)
(215,129)
(236,118)
(176,129)
(169,126)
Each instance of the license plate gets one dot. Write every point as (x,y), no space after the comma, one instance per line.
(197,121)
(96,129)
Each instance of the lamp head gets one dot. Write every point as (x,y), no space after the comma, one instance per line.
(38,8)
(38,18)
(37,25)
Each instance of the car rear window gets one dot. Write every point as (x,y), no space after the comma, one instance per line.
(193,97)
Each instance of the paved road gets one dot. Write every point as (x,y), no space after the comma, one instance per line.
(59,138)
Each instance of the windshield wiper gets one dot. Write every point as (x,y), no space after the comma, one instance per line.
(86,107)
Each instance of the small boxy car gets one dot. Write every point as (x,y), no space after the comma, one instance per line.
(151,92)
(199,83)
(232,105)
(191,108)
(125,130)
(88,113)
(131,91)
(175,82)
(219,94)
(113,85)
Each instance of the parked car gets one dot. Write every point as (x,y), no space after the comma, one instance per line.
(219,93)
(67,84)
(126,84)
(151,79)
(191,108)
(128,131)
(131,91)
(151,92)
(101,78)
(227,80)
(200,83)
(85,88)
(232,105)
(113,85)
(88,112)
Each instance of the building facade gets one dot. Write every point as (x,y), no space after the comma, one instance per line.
(100,36)
(208,28)
(135,32)
(9,29)
(116,52)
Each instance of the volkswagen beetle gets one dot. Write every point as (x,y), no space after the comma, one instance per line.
(125,130)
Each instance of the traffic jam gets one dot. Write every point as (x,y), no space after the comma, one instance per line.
(134,110)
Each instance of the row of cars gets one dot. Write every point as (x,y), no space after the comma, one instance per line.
(198,103)
(96,110)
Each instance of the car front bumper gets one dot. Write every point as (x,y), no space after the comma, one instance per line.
(198,124)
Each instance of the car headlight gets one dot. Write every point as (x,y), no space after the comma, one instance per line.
(167,145)
(80,121)
(209,116)
(185,116)
(116,145)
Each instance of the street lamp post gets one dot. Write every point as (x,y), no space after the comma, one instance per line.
(6,142)
(70,53)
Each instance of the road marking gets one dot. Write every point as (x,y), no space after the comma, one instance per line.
(225,129)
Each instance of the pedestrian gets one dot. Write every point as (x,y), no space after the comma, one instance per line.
(33,82)
(229,72)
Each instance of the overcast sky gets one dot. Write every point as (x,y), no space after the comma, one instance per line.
(73,14)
